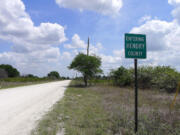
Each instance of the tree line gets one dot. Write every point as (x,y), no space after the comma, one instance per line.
(8,71)
(159,77)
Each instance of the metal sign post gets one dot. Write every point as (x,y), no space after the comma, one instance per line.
(136,96)
(135,47)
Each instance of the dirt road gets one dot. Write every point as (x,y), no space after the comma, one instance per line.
(21,107)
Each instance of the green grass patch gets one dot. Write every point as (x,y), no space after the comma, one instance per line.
(84,113)
(23,81)
(101,82)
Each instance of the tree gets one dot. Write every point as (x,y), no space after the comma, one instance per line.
(3,73)
(54,74)
(11,71)
(89,66)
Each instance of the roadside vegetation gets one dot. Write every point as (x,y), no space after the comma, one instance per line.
(79,113)
(88,66)
(9,71)
(162,78)
(104,105)
(54,75)
(10,77)
(109,110)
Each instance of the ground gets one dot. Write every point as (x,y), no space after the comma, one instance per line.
(108,110)
(22,107)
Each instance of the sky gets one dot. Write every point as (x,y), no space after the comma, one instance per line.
(37,37)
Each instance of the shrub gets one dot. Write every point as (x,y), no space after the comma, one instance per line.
(121,77)
(145,76)
(165,78)
(160,77)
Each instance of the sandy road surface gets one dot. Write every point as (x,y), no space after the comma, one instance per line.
(21,107)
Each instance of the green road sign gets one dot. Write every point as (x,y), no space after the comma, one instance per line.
(135,46)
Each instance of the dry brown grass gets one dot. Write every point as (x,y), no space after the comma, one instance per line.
(155,116)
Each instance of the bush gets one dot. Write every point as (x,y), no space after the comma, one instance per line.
(145,76)
(165,78)
(160,77)
(121,77)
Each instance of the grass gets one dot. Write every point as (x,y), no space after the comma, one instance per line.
(108,110)
(81,113)
(101,82)
(21,81)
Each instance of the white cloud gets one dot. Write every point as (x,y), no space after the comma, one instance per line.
(93,49)
(36,62)
(66,56)
(118,52)
(163,41)
(161,35)
(17,26)
(156,31)
(76,43)
(105,7)
(174,2)
(34,47)
(108,61)
(176,11)
(163,45)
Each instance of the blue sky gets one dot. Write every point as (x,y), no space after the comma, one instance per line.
(97,26)
(54,31)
